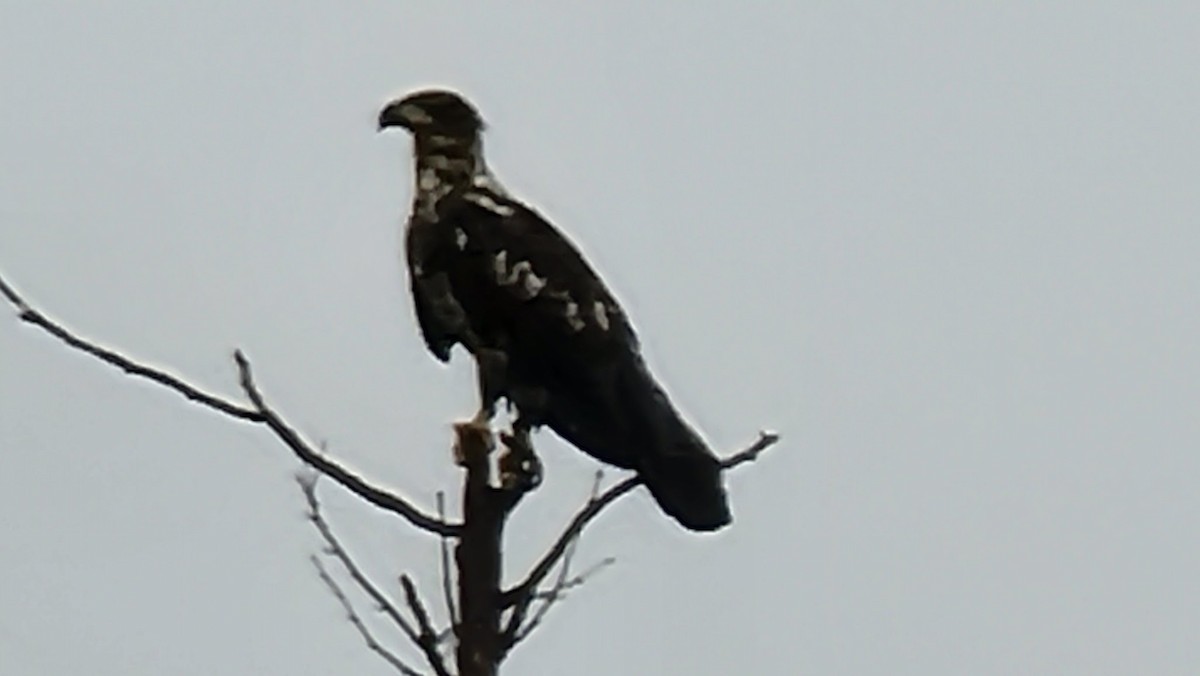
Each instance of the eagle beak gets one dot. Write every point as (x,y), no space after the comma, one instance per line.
(402,113)
(390,116)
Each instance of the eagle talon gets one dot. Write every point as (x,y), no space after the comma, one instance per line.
(520,468)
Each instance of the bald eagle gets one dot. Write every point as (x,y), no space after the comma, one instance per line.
(488,272)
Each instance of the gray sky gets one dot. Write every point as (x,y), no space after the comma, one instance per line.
(948,251)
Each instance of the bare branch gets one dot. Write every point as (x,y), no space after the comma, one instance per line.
(354,618)
(515,628)
(428,636)
(447,583)
(349,480)
(597,479)
(308,484)
(524,591)
(555,594)
(564,572)
(29,315)
(559,591)
(750,454)
(426,640)
(515,631)
(260,413)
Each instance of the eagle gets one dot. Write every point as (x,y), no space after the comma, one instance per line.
(490,273)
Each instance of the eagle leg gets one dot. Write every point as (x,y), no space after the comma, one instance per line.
(492,371)
(520,468)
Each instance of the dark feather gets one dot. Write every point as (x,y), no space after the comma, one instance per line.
(490,273)
(569,370)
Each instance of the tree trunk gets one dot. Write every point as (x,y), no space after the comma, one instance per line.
(485,509)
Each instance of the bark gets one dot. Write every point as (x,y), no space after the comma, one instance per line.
(478,556)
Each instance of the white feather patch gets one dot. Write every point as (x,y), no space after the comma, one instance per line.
(428,179)
(573,319)
(488,203)
(460,238)
(485,181)
(514,275)
(533,284)
(526,284)
(500,266)
(601,313)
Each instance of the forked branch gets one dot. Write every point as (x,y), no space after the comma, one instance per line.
(356,620)
(428,637)
(259,413)
(376,496)
(425,638)
(28,314)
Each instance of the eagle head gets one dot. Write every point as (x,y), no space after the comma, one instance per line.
(431,112)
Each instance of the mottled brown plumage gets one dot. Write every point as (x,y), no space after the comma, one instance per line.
(490,273)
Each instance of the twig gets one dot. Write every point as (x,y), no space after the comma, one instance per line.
(310,456)
(26,313)
(428,637)
(260,413)
(556,594)
(564,572)
(560,590)
(447,583)
(750,454)
(523,592)
(515,628)
(355,620)
(515,631)
(425,640)
(308,485)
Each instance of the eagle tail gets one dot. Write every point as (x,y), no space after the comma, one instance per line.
(629,422)
(683,475)
(685,480)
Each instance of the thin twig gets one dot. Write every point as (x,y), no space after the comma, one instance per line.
(516,628)
(429,636)
(308,484)
(515,631)
(552,596)
(560,590)
(28,314)
(447,583)
(349,480)
(597,479)
(522,592)
(355,620)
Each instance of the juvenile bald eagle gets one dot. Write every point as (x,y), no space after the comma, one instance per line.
(488,272)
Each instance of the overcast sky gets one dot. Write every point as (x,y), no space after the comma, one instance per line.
(947,250)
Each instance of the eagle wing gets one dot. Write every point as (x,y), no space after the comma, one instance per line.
(501,252)
(483,247)
(493,270)
(432,300)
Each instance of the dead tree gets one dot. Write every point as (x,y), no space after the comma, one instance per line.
(486,620)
